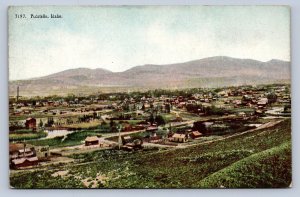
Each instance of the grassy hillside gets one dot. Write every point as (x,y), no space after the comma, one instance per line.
(269,168)
(256,159)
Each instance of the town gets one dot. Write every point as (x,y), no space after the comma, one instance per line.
(56,130)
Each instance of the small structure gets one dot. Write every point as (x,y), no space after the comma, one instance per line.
(14,150)
(262,102)
(27,152)
(179,138)
(42,151)
(195,134)
(30,123)
(91,140)
(24,162)
(126,139)
(21,150)
(135,144)
(259,112)
(241,114)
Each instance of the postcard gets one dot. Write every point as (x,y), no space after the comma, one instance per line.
(149,97)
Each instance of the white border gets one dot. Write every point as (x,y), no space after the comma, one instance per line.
(295,43)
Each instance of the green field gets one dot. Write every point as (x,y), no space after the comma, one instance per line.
(26,135)
(261,158)
(72,139)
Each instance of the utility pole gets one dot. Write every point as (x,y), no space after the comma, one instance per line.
(120,139)
(18,95)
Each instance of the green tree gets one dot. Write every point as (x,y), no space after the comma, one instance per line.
(168,108)
(160,120)
(113,126)
(151,119)
(41,124)
(272,97)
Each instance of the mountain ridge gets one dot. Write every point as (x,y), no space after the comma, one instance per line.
(207,72)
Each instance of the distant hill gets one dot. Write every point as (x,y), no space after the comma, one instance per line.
(208,72)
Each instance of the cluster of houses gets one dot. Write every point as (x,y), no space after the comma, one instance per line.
(152,136)
(24,155)
(256,98)
(235,96)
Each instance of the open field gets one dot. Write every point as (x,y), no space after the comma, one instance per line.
(71,139)
(26,136)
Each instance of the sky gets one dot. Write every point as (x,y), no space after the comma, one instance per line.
(118,38)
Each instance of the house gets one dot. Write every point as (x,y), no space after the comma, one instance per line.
(195,134)
(241,114)
(50,103)
(138,127)
(27,152)
(30,123)
(259,112)
(14,150)
(42,151)
(126,139)
(237,102)
(262,102)
(91,140)
(179,138)
(132,143)
(19,150)
(24,162)
(154,138)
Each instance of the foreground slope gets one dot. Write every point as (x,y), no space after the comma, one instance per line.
(269,168)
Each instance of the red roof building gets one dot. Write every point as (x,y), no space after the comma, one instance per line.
(30,123)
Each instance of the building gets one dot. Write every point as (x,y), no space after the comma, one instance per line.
(91,140)
(179,138)
(21,150)
(126,139)
(195,134)
(30,123)
(22,155)
(24,162)
(42,151)
(262,102)
(135,144)
(27,152)
(14,150)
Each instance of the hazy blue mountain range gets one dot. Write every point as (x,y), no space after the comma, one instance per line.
(208,72)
